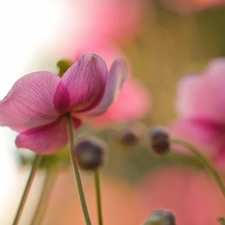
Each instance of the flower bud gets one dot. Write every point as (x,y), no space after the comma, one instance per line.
(63,66)
(160,217)
(159,140)
(89,153)
(129,137)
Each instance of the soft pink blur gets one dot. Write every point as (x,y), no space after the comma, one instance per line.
(120,203)
(191,5)
(201,109)
(191,195)
(112,19)
(133,101)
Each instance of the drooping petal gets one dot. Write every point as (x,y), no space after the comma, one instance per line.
(117,76)
(29,103)
(46,139)
(85,81)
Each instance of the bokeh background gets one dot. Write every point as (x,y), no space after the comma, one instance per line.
(162,41)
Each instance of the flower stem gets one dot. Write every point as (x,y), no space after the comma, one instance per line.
(33,171)
(45,194)
(204,161)
(76,170)
(98,196)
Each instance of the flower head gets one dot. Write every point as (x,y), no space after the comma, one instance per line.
(201,107)
(38,102)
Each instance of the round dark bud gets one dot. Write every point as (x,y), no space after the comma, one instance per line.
(89,153)
(129,137)
(160,217)
(159,140)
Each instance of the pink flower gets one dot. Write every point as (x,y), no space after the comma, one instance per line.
(191,195)
(201,107)
(133,101)
(114,192)
(112,19)
(38,102)
(191,5)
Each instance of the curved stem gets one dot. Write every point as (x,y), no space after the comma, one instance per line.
(76,170)
(204,161)
(33,171)
(98,195)
(44,198)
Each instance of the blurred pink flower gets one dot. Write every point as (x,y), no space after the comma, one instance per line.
(201,107)
(120,202)
(111,19)
(191,195)
(133,101)
(191,5)
(37,104)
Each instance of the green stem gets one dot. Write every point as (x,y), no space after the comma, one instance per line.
(33,171)
(204,161)
(76,170)
(98,195)
(44,198)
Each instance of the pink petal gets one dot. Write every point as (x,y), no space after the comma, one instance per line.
(29,103)
(203,95)
(85,81)
(202,134)
(46,139)
(193,95)
(216,67)
(117,76)
(218,156)
(215,75)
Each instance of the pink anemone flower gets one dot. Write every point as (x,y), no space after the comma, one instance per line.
(201,107)
(37,104)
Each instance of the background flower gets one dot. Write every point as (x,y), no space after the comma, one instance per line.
(113,20)
(201,107)
(120,202)
(189,194)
